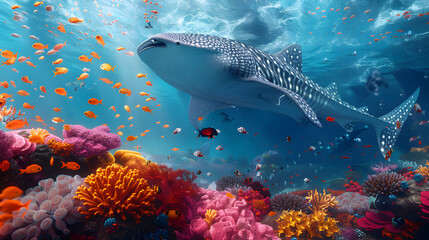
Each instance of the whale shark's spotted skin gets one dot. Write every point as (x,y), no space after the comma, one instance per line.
(284,70)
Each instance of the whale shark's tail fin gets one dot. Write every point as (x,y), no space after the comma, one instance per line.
(388,128)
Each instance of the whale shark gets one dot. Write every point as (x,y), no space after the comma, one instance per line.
(222,73)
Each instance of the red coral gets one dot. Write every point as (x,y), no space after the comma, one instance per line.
(409,175)
(407,232)
(346,219)
(353,186)
(257,203)
(424,198)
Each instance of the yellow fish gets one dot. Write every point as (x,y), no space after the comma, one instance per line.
(107,67)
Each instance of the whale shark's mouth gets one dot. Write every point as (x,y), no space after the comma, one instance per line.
(150,43)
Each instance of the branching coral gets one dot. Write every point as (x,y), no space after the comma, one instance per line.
(424,171)
(297,223)
(379,168)
(257,203)
(210,216)
(38,136)
(59,147)
(320,202)
(387,183)
(288,201)
(116,192)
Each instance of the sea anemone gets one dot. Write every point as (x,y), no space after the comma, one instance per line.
(116,192)
(387,183)
(229,182)
(288,201)
(38,136)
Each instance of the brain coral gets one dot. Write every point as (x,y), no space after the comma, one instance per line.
(352,202)
(288,201)
(116,192)
(52,208)
(387,183)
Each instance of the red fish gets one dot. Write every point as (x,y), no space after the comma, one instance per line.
(423,122)
(388,154)
(367,146)
(398,125)
(344,157)
(420,142)
(330,119)
(207,132)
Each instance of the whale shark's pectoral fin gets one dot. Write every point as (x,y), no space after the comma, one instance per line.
(296,99)
(200,108)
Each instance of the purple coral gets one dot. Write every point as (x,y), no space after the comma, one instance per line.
(91,142)
(387,183)
(379,168)
(233,221)
(288,201)
(52,207)
(6,141)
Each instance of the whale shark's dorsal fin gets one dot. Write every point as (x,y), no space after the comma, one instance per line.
(292,55)
(200,108)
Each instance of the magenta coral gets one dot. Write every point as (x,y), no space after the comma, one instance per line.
(233,221)
(352,202)
(6,141)
(382,219)
(258,204)
(52,208)
(91,142)
(424,198)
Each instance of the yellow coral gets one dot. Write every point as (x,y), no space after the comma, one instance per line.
(60,148)
(116,191)
(38,136)
(320,202)
(424,171)
(297,223)
(210,216)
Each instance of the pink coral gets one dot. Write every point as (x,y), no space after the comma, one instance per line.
(6,141)
(21,146)
(259,205)
(424,198)
(91,142)
(382,219)
(352,202)
(233,221)
(379,168)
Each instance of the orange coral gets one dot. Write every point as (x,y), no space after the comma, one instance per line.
(346,220)
(320,202)
(133,160)
(116,191)
(60,148)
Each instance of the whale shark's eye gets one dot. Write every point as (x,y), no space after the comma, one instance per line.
(177,43)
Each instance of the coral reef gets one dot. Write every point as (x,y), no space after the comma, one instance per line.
(233,221)
(319,201)
(6,141)
(52,207)
(373,221)
(387,183)
(116,192)
(59,147)
(352,202)
(424,198)
(229,182)
(99,138)
(288,201)
(379,168)
(297,223)
(424,171)
(258,204)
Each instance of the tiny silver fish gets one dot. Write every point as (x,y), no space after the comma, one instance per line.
(33,37)
(16,35)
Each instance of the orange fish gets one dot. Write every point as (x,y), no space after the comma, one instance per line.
(11,192)
(43,89)
(57,120)
(4,165)
(27,106)
(113,108)
(131,138)
(147,109)
(84,58)
(5,84)
(175,149)
(330,119)
(71,165)
(367,11)
(39,46)
(51,162)
(15,7)
(140,75)
(52,128)
(30,64)
(150,98)
(33,168)
(58,61)
(144,94)
(125,91)
(12,83)
(66,127)
(228,194)
(90,114)
(61,28)
(388,154)
(149,83)
(8,54)
(120,48)
(106,80)
(83,76)
(26,80)
(57,109)
(127,108)
(23,93)
(117,85)
(75,20)
(10,61)
(10,206)
(95,55)
(272,213)
(200,118)
(100,40)
(60,71)
(371,19)
(36,4)
(166,126)
(61,91)
(94,101)
(398,125)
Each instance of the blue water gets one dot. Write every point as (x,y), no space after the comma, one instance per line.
(267,25)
